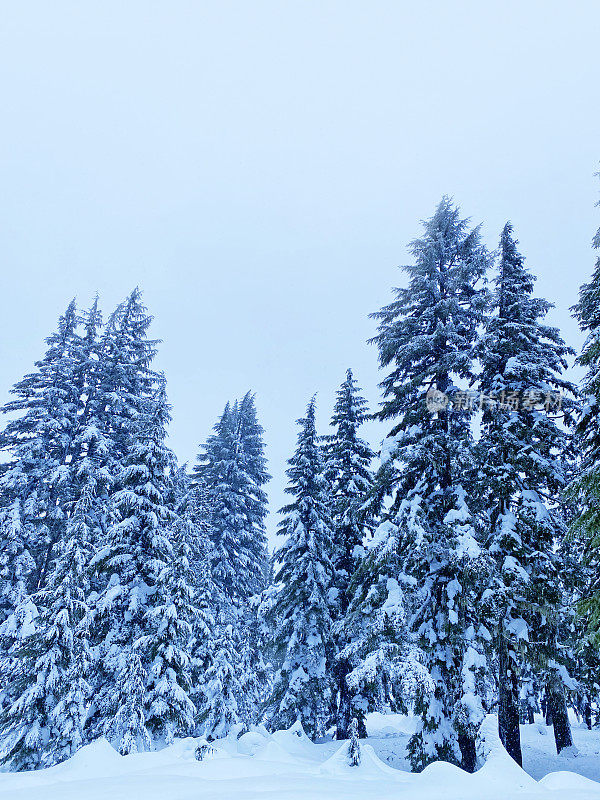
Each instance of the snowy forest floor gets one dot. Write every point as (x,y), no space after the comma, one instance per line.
(287,766)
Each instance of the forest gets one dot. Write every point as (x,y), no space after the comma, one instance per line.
(451,574)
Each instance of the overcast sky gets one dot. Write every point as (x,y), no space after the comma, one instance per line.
(258,168)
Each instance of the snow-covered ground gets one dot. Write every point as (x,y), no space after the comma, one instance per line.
(287,766)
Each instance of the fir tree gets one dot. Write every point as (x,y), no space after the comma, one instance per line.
(302,611)
(585,489)
(222,688)
(38,443)
(428,335)
(195,525)
(45,723)
(232,469)
(167,645)
(348,460)
(521,477)
(127,728)
(137,551)
(354,745)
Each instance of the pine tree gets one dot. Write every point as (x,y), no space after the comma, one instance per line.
(45,723)
(127,728)
(38,443)
(428,336)
(222,688)
(137,551)
(16,562)
(354,745)
(348,460)
(232,469)
(195,527)
(585,489)
(167,645)
(521,476)
(302,611)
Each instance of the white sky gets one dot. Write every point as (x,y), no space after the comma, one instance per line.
(258,168)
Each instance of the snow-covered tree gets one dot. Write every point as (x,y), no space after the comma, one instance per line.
(167,642)
(222,686)
(37,441)
(586,487)
(302,611)
(45,722)
(521,476)
(127,728)
(137,551)
(232,468)
(194,530)
(428,335)
(354,745)
(347,471)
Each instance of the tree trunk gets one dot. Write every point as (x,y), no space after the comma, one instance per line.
(468,752)
(560,719)
(546,707)
(343,717)
(508,704)
(587,712)
(345,712)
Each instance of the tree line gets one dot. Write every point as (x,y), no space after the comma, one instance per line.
(453,575)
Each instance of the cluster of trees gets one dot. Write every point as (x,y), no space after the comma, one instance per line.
(457,577)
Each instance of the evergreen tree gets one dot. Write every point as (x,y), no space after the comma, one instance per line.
(232,469)
(255,466)
(127,728)
(222,686)
(585,489)
(136,553)
(45,723)
(521,476)
(167,645)
(38,444)
(16,562)
(348,460)
(428,335)
(302,611)
(354,745)
(195,525)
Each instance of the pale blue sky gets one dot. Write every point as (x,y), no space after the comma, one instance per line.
(258,168)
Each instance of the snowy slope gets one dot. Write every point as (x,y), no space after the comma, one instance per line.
(288,766)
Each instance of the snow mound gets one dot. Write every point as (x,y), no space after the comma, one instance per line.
(272,751)
(96,759)
(569,782)
(370,765)
(499,766)
(251,742)
(295,742)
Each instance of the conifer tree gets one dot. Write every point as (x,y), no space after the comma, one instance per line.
(222,687)
(38,443)
(167,645)
(45,723)
(521,477)
(354,745)
(302,611)
(232,469)
(427,335)
(127,728)
(348,459)
(195,528)
(585,489)
(137,551)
